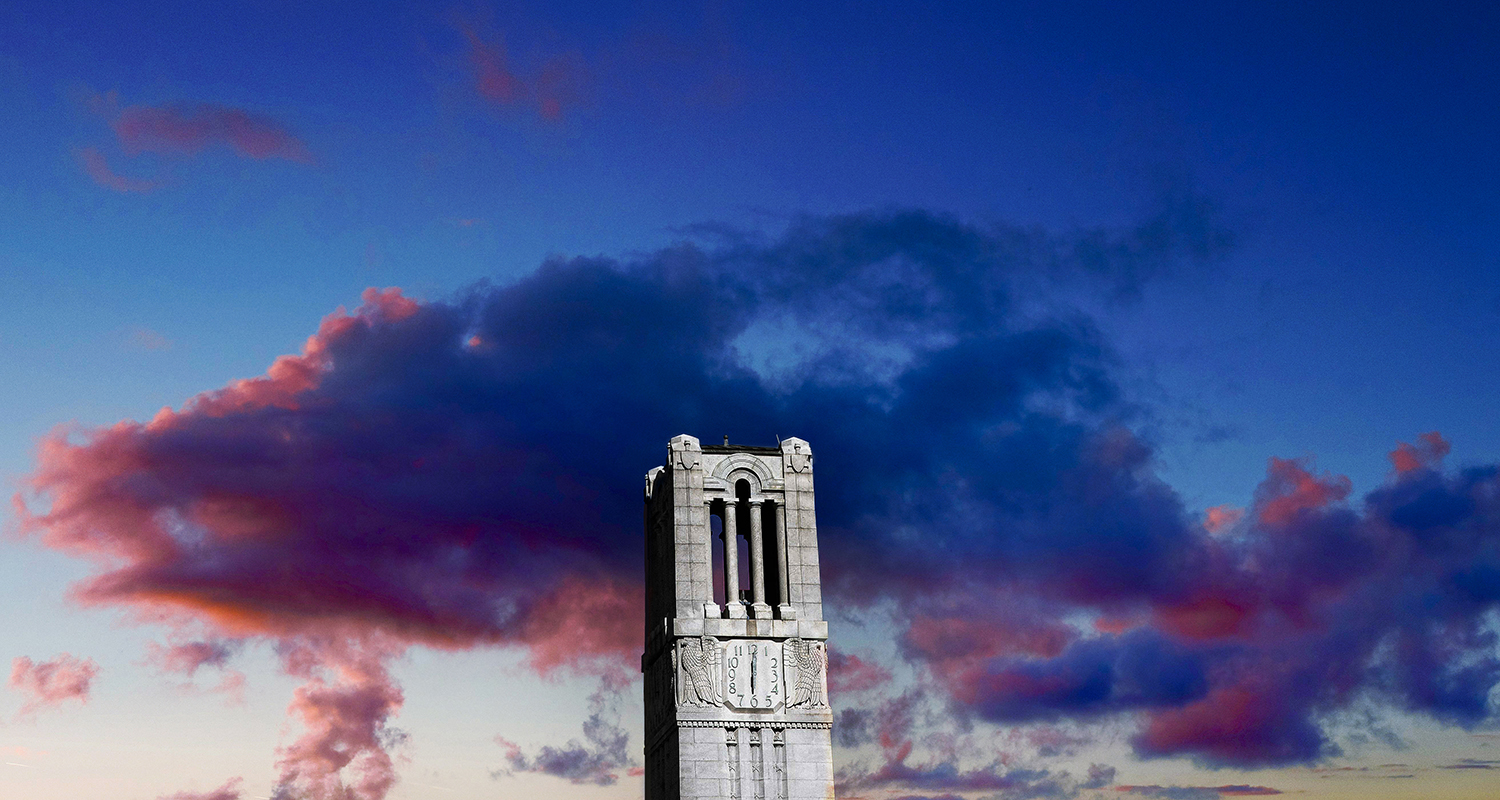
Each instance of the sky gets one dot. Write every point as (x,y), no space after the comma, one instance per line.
(1147,354)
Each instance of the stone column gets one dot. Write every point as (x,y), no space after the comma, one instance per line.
(711,609)
(784,607)
(732,604)
(759,609)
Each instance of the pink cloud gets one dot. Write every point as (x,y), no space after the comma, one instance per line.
(1429,450)
(1291,489)
(96,166)
(1220,518)
(959,642)
(187,658)
(344,708)
(850,673)
(341,584)
(492,76)
(184,129)
(583,619)
(269,553)
(1204,617)
(554,87)
(1247,722)
(188,129)
(50,683)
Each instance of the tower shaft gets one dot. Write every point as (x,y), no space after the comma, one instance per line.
(736,686)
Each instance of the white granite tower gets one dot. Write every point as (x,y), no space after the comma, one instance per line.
(736,687)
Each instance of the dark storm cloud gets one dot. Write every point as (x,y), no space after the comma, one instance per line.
(1097,676)
(465,473)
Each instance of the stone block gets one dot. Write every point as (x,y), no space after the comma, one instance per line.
(812,628)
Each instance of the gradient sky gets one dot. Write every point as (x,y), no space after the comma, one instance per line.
(1148,353)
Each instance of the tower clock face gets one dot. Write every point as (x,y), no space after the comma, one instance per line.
(752,675)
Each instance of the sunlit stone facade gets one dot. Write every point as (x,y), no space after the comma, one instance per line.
(736,687)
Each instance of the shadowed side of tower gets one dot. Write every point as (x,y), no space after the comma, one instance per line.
(736,685)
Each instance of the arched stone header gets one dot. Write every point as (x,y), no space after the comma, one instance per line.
(743,462)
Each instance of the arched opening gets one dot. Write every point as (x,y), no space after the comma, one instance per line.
(716,545)
(742,539)
(769,540)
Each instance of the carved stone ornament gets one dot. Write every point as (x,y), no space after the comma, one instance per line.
(805,662)
(798,460)
(699,685)
(684,457)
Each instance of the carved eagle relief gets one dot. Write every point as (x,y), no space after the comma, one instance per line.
(700,667)
(809,660)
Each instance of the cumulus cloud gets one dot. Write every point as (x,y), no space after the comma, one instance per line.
(344,708)
(47,684)
(462,473)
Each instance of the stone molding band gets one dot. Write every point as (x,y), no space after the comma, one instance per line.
(728,725)
(732,724)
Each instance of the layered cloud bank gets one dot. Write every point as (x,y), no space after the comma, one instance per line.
(465,473)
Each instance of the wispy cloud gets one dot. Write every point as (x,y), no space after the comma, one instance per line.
(146,339)
(550,87)
(1472,763)
(1198,792)
(97,167)
(229,791)
(190,128)
(599,760)
(183,130)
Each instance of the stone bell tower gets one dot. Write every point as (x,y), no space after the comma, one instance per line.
(736,686)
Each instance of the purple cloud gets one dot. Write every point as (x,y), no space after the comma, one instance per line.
(461,473)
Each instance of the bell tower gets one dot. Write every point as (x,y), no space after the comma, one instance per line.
(736,685)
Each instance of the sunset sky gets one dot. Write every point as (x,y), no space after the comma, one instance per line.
(1148,353)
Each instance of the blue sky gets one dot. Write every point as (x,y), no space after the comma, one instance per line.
(1340,158)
